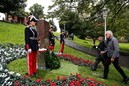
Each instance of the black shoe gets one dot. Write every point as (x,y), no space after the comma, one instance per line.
(93,69)
(27,74)
(103,77)
(125,81)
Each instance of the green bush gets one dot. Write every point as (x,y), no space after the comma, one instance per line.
(52,61)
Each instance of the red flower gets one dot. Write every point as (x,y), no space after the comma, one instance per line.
(100,83)
(71,83)
(17,83)
(78,76)
(78,83)
(92,85)
(38,80)
(48,80)
(52,84)
(26,77)
(58,78)
(43,85)
(64,78)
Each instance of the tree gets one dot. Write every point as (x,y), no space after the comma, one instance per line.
(20,13)
(89,14)
(37,10)
(6,6)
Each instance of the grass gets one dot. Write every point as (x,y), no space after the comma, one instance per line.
(124,47)
(67,68)
(11,33)
(15,34)
(88,43)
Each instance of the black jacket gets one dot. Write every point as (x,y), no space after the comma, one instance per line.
(31,39)
(51,38)
(62,37)
(102,46)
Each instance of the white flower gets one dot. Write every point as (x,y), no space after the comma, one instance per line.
(18,74)
(1,67)
(11,72)
(6,70)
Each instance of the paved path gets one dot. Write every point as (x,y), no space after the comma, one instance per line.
(124,60)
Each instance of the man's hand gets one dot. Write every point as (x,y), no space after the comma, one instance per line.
(102,52)
(112,59)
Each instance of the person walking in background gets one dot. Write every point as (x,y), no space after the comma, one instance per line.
(100,57)
(51,39)
(113,56)
(31,46)
(62,42)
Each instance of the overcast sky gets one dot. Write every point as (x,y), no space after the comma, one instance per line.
(45,4)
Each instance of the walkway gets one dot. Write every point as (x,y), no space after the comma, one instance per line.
(124,60)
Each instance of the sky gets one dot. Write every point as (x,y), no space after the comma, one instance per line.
(45,4)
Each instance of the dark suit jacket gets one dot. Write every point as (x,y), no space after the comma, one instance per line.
(51,38)
(62,37)
(31,39)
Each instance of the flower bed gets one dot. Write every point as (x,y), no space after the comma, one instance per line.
(75,60)
(10,52)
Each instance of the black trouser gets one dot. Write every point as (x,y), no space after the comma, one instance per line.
(116,65)
(97,61)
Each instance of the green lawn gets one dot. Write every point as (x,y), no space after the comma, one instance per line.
(15,34)
(11,33)
(89,43)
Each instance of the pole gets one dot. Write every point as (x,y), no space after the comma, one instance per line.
(64,27)
(105,27)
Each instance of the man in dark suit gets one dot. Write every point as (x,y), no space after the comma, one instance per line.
(62,42)
(100,57)
(51,39)
(113,56)
(31,46)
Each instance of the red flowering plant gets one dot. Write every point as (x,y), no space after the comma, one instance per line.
(73,80)
(75,60)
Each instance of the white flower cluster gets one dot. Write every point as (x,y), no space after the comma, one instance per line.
(8,53)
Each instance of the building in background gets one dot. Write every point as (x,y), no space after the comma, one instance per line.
(2,16)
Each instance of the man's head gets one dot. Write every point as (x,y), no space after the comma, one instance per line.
(32,21)
(51,28)
(109,34)
(100,38)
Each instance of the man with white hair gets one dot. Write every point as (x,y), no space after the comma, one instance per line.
(113,56)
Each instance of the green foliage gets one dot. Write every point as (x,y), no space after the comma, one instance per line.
(11,5)
(52,61)
(20,13)
(37,10)
(84,17)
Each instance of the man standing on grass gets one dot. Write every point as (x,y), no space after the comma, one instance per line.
(51,39)
(62,42)
(113,56)
(31,46)
(100,57)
